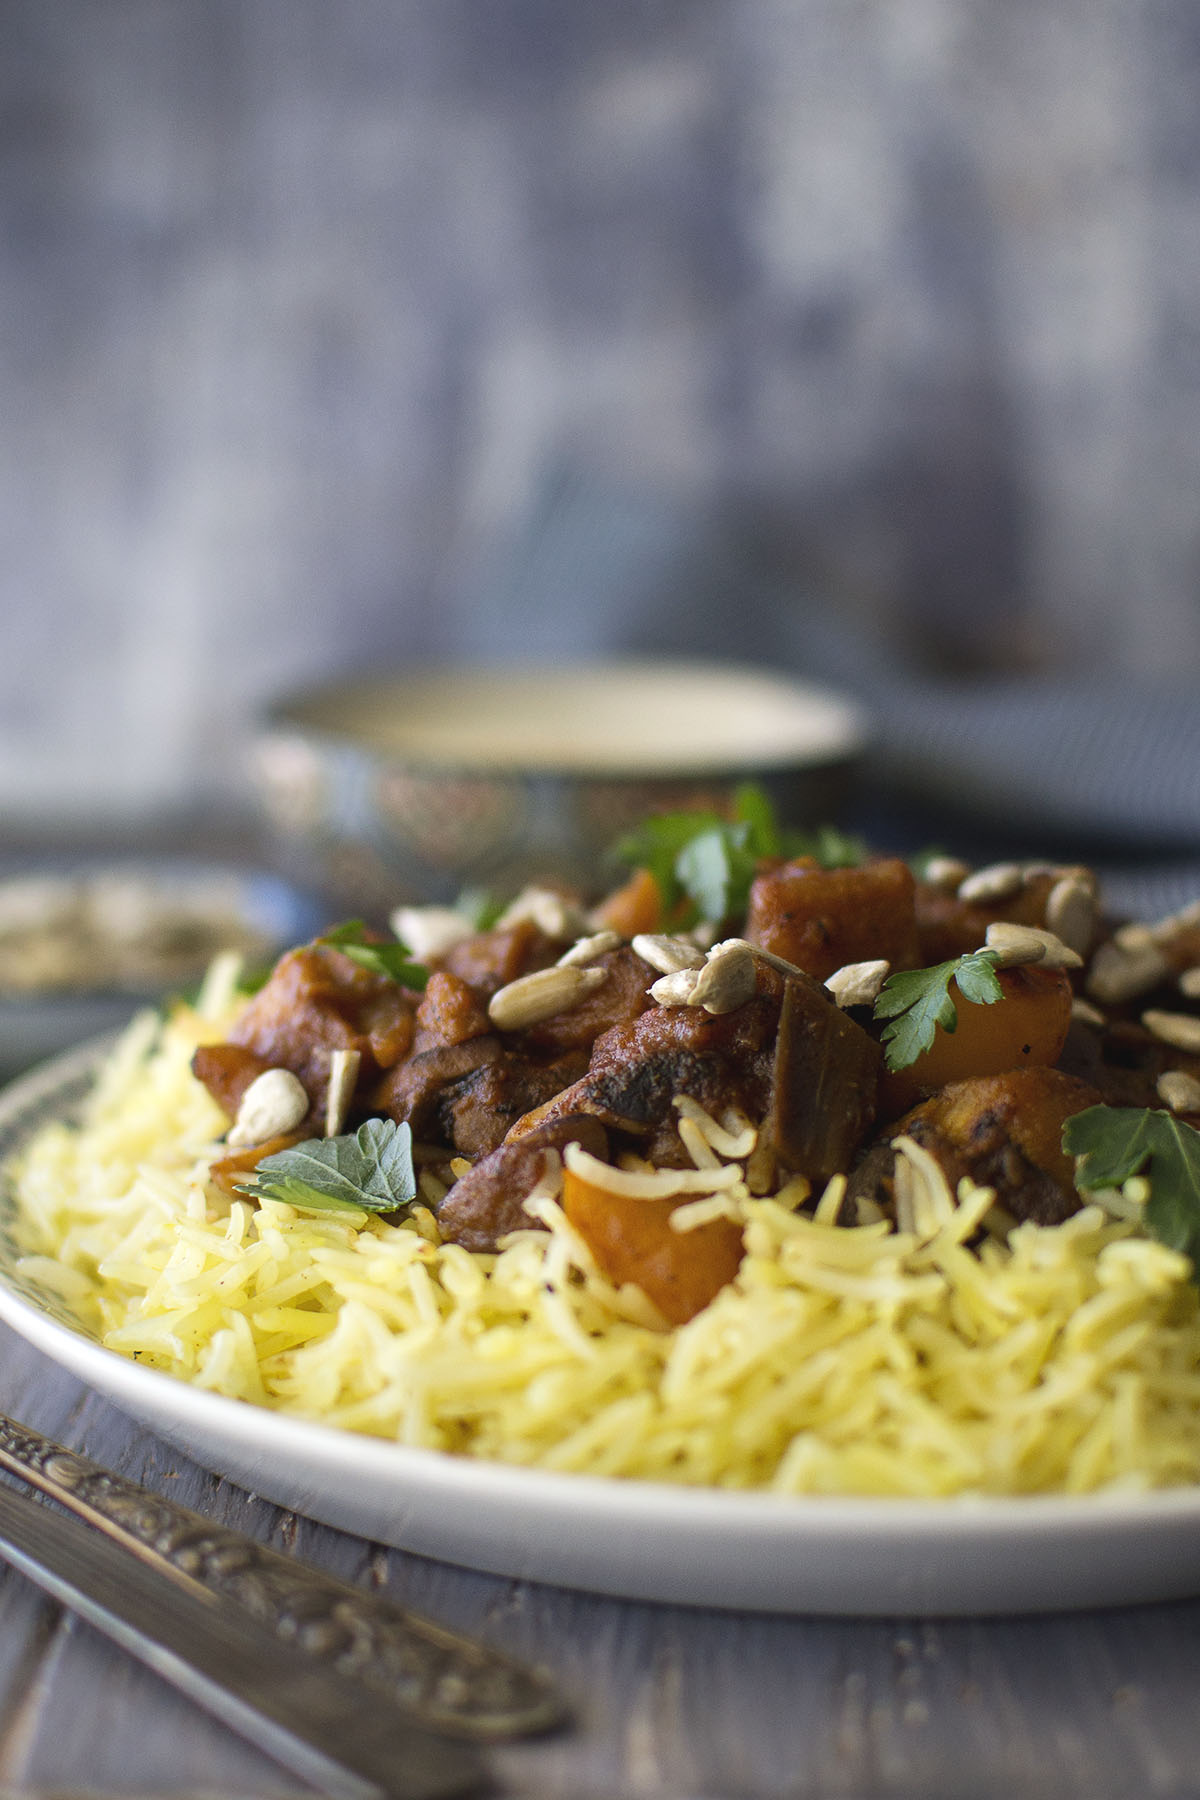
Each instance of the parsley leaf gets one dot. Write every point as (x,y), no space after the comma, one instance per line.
(916,1001)
(390,960)
(1114,1143)
(976,979)
(703,864)
(371,1169)
(831,848)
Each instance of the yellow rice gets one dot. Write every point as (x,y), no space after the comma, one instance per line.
(842,1360)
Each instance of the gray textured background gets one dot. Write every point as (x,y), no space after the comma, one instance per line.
(311,314)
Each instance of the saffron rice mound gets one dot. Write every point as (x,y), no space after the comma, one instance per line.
(864,1359)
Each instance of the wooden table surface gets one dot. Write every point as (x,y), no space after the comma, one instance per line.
(668,1702)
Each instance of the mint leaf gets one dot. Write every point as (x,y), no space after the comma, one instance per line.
(371,1168)
(1114,1143)
(303,1196)
(916,1001)
(388,959)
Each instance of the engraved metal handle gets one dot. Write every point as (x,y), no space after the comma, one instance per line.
(450,1683)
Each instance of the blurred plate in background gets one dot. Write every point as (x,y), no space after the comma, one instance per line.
(84,944)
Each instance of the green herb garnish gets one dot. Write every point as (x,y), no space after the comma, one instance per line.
(1114,1143)
(369,1170)
(252,980)
(479,907)
(703,864)
(832,848)
(916,1001)
(715,870)
(389,959)
(657,843)
(920,860)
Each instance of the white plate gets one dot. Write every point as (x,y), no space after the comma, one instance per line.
(706,1548)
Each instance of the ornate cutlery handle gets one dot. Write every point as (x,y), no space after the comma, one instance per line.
(449,1682)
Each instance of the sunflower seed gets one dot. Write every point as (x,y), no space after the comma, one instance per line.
(427,932)
(1119,974)
(274,1103)
(553,914)
(762,954)
(1181,1030)
(1071,913)
(675,989)
(1186,919)
(1136,937)
(531,998)
(586,949)
(1179,1090)
(946,872)
(1013,945)
(1017,944)
(727,980)
(998,881)
(858,984)
(1189,983)
(668,954)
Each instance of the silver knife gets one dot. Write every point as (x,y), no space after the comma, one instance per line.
(348,1690)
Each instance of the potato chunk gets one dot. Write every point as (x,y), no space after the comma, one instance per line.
(1026,1028)
(1002,1131)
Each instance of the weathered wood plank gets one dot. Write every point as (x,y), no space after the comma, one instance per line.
(111,1726)
(668,1702)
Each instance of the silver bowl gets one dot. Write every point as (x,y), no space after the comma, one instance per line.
(389,788)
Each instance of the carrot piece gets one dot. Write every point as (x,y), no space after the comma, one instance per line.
(1027,1028)
(237,1165)
(632,1240)
(636,906)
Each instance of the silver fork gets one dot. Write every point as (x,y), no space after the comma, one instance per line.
(351,1691)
